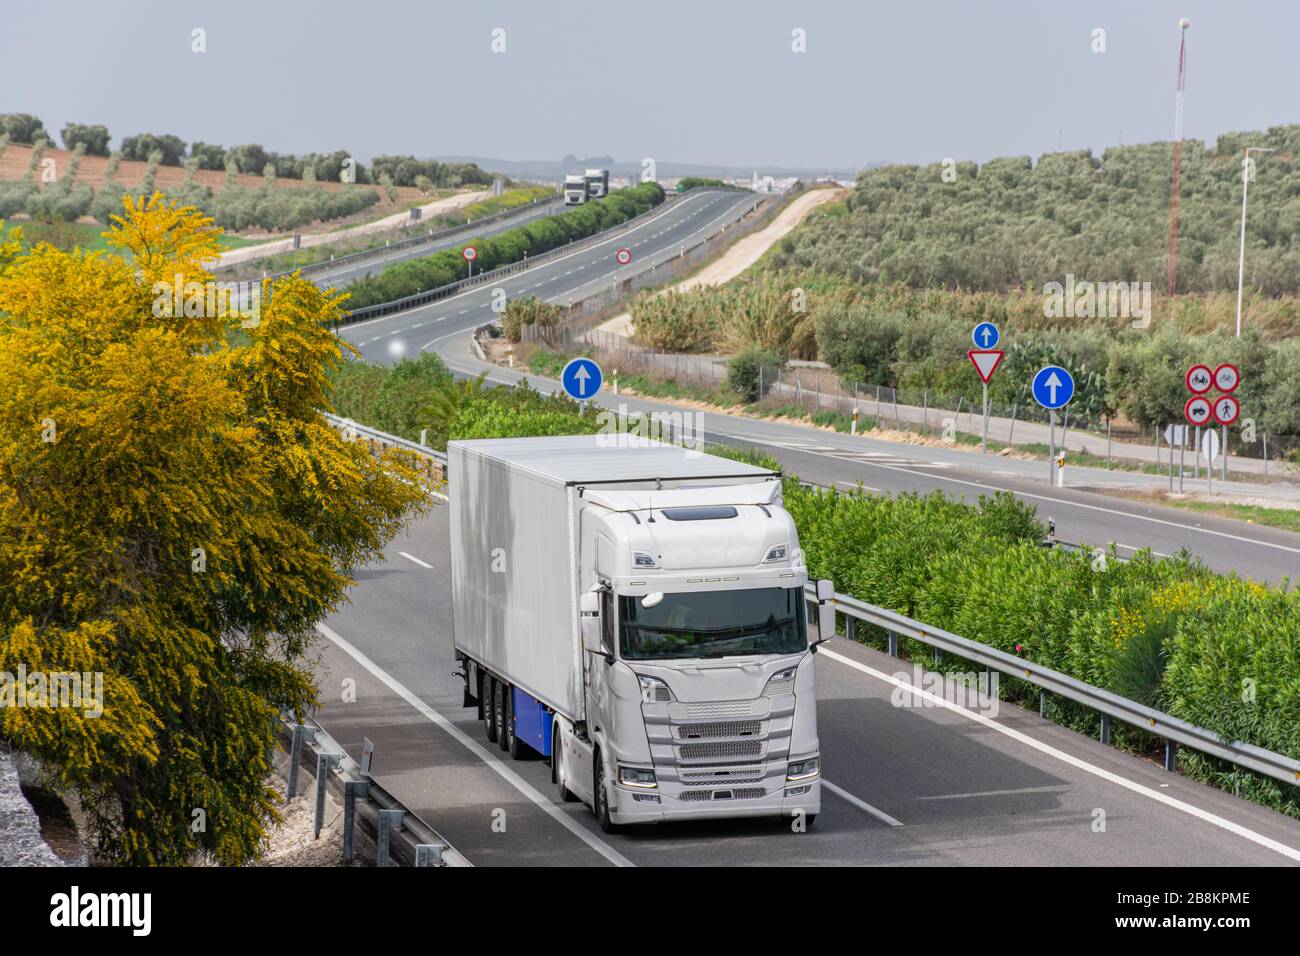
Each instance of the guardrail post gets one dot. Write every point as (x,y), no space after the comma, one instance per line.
(850,627)
(893,644)
(324,764)
(295,756)
(1042,704)
(1171,755)
(1105,728)
(429,854)
(387,820)
(351,790)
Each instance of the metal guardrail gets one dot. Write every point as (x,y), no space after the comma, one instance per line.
(451,288)
(379,251)
(1110,705)
(400,835)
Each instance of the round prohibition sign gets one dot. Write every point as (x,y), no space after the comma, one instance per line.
(1226,377)
(1197,410)
(470,253)
(1199,379)
(623,256)
(1226,409)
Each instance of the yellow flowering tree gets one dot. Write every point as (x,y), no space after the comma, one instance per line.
(176,517)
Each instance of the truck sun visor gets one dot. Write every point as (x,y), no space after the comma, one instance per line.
(703,513)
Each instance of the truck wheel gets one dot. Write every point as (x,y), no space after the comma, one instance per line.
(509,739)
(499,694)
(557,769)
(489,710)
(601,800)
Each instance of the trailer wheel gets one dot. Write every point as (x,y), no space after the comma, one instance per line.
(489,710)
(510,740)
(557,769)
(601,801)
(499,694)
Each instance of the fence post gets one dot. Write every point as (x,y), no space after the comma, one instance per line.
(295,755)
(388,819)
(324,764)
(351,790)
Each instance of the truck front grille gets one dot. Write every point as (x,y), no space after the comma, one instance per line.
(720,708)
(721,751)
(742,793)
(730,728)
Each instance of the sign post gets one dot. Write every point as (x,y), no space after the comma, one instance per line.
(1210,449)
(1052,388)
(1226,407)
(986,359)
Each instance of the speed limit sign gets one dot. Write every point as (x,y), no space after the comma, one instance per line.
(623,256)
(1197,410)
(1226,377)
(1226,409)
(470,253)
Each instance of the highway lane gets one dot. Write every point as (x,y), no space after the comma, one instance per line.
(343,275)
(1082,517)
(967,788)
(657,238)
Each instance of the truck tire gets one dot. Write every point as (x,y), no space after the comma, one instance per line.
(489,709)
(509,739)
(600,802)
(499,694)
(557,769)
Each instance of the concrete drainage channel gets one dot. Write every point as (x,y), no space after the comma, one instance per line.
(374,820)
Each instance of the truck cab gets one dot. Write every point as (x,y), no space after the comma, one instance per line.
(696,655)
(575,190)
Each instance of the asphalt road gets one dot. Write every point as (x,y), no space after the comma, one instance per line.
(657,238)
(921,784)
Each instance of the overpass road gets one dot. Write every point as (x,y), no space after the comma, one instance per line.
(907,785)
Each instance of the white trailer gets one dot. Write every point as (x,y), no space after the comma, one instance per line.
(635,611)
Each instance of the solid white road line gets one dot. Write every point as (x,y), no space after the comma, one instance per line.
(477,749)
(1056,753)
(861,804)
(411,557)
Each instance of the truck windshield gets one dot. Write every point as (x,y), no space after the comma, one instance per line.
(713,624)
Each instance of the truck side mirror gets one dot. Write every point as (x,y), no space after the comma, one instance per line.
(589,620)
(825,610)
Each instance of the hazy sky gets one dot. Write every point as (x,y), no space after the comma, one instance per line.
(711,81)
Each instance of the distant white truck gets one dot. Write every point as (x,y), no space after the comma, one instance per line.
(575,190)
(597,183)
(637,614)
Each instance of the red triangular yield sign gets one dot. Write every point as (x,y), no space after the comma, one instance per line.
(985,361)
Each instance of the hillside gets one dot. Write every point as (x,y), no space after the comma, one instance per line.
(1015,224)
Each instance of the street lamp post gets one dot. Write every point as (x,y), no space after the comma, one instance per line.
(1241,259)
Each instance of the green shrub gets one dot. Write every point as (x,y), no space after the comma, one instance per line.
(750,373)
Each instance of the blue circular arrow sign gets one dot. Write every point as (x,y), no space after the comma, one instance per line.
(581,378)
(985,335)
(1053,386)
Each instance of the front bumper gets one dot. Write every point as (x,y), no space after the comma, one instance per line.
(625,808)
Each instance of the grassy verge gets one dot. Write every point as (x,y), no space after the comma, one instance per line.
(1288,519)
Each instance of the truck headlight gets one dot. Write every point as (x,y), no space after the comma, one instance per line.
(782,682)
(775,553)
(653,690)
(802,769)
(636,777)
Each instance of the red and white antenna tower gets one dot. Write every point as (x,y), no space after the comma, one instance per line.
(1183,24)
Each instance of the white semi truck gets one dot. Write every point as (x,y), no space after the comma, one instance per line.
(637,614)
(575,190)
(597,183)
